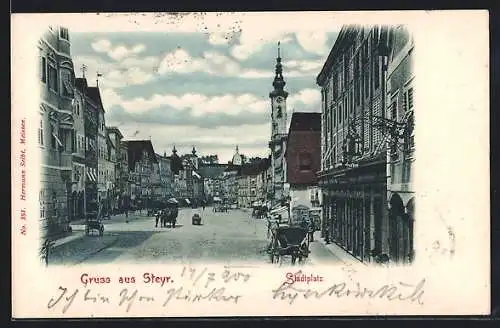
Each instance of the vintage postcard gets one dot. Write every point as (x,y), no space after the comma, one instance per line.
(250,164)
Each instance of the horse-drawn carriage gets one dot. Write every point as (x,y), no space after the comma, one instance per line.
(168,215)
(93,220)
(289,239)
(259,210)
(219,205)
(154,206)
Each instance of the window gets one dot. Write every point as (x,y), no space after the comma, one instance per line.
(40,133)
(340,114)
(43,69)
(63,33)
(334,116)
(53,78)
(367,83)
(376,71)
(394,111)
(305,162)
(52,137)
(345,108)
(410,98)
(66,85)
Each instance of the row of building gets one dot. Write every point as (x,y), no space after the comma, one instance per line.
(87,166)
(357,154)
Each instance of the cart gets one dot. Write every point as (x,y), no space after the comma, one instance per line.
(94,221)
(288,241)
(196,219)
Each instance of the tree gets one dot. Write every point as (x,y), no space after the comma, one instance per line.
(210,159)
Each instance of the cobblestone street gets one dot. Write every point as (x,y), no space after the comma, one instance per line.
(223,238)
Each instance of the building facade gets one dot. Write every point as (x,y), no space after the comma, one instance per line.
(279,131)
(166,176)
(401,155)
(124,181)
(141,164)
(303,157)
(79,168)
(115,137)
(91,155)
(102,146)
(55,131)
(252,182)
(354,137)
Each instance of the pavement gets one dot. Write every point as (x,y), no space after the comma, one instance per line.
(223,238)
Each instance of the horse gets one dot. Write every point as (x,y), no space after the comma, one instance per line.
(168,215)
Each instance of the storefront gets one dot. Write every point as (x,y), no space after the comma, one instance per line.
(354,208)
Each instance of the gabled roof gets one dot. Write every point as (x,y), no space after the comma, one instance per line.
(303,121)
(136,149)
(95,96)
(81,84)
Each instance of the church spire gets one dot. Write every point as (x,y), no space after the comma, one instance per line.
(174,150)
(279,81)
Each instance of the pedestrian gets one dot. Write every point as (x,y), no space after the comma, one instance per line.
(126,214)
(203,204)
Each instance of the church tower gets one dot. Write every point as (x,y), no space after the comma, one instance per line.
(279,131)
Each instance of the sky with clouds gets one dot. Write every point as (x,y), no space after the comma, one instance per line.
(204,84)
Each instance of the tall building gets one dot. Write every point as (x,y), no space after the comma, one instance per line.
(102,145)
(354,136)
(368,143)
(401,155)
(303,157)
(278,131)
(79,167)
(166,176)
(141,163)
(90,146)
(115,137)
(55,130)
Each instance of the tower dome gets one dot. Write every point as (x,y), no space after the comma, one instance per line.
(237,159)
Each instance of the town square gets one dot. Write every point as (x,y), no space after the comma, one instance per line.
(287,147)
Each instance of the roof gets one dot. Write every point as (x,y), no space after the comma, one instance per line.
(346,32)
(135,150)
(81,84)
(256,167)
(302,121)
(212,170)
(95,95)
(114,129)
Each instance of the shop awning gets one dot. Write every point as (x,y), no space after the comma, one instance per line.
(196,175)
(279,210)
(90,175)
(188,201)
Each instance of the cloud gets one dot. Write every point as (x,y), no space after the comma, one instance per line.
(131,71)
(219,38)
(102,45)
(313,42)
(197,105)
(119,52)
(212,62)
(312,66)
